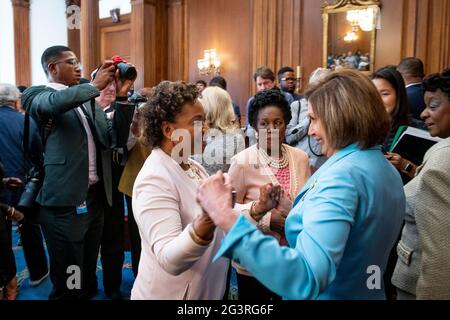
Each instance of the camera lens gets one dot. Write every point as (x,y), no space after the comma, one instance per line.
(126,71)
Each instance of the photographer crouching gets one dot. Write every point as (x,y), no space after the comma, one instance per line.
(76,179)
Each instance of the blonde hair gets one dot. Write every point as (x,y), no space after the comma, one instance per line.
(218,108)
(350,109)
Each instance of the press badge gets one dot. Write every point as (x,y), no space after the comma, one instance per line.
(82,208)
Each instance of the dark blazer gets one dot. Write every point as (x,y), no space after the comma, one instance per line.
(66,148)
(415,100)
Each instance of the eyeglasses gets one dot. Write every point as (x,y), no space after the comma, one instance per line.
(73,62)
(288,79)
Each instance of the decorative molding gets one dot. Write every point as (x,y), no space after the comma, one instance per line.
(343,3)
(170,3)
(138,2)
(73,3)
(21,3)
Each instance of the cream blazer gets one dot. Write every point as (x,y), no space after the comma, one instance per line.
(423,265)
(248,173)
(172,265)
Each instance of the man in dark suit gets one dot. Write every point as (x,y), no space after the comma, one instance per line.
(74,188)
(413,72)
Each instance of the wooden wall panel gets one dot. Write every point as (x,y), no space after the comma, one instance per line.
(89,36)
(409,29)
(223,25)
(21,18)
(264,35)
(149,41)
(177,53)
(438,36)
(288,34)
(426,33)
(115,40)
(168,36)
(73,35)
(389,38)
(311,35)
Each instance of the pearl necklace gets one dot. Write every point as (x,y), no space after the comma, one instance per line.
(281,163)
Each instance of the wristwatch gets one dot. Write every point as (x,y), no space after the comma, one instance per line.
(408,168)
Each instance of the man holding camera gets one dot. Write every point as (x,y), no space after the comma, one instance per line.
(74,187)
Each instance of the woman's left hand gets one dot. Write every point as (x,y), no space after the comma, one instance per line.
(396,160)
(214,196)
(285,203)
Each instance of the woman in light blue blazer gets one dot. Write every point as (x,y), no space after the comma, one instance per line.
(346,219)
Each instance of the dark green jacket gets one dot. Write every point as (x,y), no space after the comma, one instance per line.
(66,161)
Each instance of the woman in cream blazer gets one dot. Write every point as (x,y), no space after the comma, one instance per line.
(178,239)
(423,265)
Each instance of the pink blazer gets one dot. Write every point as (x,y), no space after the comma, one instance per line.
(172,265)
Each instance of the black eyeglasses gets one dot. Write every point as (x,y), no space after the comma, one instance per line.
(72,62)
(288,79)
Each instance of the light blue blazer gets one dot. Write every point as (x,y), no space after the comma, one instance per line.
(340,231)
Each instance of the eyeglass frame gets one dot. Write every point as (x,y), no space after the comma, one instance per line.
(73,62)
(288,78)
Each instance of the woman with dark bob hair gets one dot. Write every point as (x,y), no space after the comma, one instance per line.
(270,161)
(423,265)
(346,218)
(178,239)
(391,86)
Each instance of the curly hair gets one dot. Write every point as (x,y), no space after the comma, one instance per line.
(265,98)
(438,81)
(164,104)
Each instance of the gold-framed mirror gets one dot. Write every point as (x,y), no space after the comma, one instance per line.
(349,34)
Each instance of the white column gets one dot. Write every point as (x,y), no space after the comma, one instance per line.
(48,27)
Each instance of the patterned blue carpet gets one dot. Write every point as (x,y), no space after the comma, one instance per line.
(42,291)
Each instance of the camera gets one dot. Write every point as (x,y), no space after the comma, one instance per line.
(33,185)
(126,71)
(136,98)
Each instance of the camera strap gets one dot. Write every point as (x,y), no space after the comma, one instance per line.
(44,132)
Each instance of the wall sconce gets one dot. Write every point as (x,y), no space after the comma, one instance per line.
(210,64)
(350,36)
(115,15)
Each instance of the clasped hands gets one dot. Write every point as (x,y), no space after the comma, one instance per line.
(214,196)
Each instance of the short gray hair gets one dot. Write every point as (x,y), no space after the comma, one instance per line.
(8,94)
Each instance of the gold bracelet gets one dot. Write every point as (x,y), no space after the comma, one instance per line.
(253,214)
(196,238)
